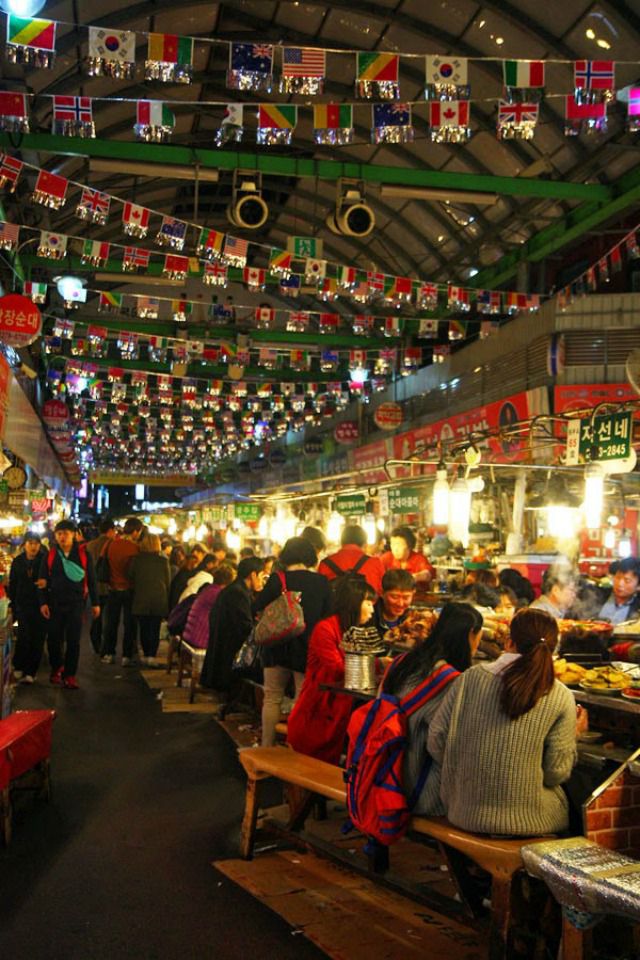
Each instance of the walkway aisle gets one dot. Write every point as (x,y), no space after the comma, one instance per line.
(119,863)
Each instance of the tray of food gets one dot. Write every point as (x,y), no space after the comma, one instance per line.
(584,627)
(571,674)
(414,629)
(628,628)
(632,694)
(605,681)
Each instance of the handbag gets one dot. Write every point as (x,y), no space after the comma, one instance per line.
(282,619)
(103,570)
(247,656)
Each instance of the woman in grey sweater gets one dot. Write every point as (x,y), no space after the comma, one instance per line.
(453,641)
(505,736)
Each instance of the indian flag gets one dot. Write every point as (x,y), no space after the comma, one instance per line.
(39,34)
(378,66)
(333,116)
(524,73)
(277,116)
(154,113)
(168,48)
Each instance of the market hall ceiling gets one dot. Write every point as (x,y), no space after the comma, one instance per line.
(432,240)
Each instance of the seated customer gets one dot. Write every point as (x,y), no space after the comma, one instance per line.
(623,602)
(398,591)
(196,629)
(318,722)
(505,737)
(453,642)
(558,592)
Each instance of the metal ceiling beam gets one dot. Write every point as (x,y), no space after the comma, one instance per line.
(306,168)
(564,231)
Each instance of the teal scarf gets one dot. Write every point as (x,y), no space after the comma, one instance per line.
(71,569)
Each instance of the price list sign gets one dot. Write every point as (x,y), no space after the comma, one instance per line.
(599,438)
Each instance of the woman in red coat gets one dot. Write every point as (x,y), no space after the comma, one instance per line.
(318,722)
(404,556)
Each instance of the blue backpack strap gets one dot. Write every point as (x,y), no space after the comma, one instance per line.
(428,689)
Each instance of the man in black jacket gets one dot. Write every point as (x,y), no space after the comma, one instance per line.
(23,595)
(69,577)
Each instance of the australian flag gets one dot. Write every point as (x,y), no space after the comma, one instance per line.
(250,66)
(391,115)
(172,233)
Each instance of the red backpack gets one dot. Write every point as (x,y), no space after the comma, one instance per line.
(377,735)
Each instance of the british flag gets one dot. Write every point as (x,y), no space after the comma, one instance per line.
(594,75)
(93,206)
(517,113)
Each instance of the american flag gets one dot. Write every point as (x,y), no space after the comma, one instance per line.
(94,202)
(236,247)
(73,109)
(303,62)
(594,74)
(9,234)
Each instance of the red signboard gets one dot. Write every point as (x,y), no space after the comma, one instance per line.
(372,455)
(347,431)
(388,416)
(580,396)
(20,320)
(5,376)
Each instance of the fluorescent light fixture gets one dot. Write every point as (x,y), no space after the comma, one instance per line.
(166,170)
(140,279)
(390,190)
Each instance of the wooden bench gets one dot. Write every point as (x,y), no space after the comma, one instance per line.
(500,857)
(195,657)
(25,745)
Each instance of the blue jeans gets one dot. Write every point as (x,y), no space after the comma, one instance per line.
(119,603)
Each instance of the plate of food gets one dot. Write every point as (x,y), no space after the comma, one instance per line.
(413,630)
(571,674)
(631,693)
(604,681)
(584,627)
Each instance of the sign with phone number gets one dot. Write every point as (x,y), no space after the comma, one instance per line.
(599,438)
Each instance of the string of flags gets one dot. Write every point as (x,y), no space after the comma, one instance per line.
(600,272)
(215,252)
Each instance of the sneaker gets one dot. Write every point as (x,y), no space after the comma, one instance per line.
(129,662)
(70,683)
(56,677)
(18,674)
(108,658)
(27,678)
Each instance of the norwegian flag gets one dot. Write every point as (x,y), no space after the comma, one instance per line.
(135,258)
(10,170)
(594,75)
(93,206)
(72,112)
(375,281)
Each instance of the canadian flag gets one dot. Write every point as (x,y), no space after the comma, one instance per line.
(265,315)
(254,276)
(449,113)
(136,215)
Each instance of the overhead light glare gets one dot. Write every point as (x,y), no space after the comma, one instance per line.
(603,44)
(590,33)
(389,191)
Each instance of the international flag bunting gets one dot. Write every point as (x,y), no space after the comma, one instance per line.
(231,127)
(135,220)
(391,326)
(154,121)
(377,75)
(456,330)
(110,302)
(303,70)
(10,170)
(632,247)
(314,270)
(216,274)
(427,296)
(73,117)
(299,360)
(298,321)
(328,323)
(517,121)
(441,352)
(112,53)
(515,301)
(329,360)
(255,278)
(333,123)
(31,42)
(280,262)
(148,308)
(276,123)
(603,270)
(449,121)
(616,259)
(268,360)
(447,78)
(235,251)
(97,333)
(250,66)
(391,123)
(633,110)
(523,74)
(411,359)
(52,246)
(265,317)
(362,324)
(50,190)
(584,117)
(95,253)
(181,310)
(488,328)
(172,233)
(37,292)
(594,80)
(9,235)
(135,259)
(290,286)
(590,280)
(93,206)
(489,301)
(169,58)
(375,283)
(398,290)
(428,327)
(210,244)
(346,278)
(175,268)
(13,112)
(458,297)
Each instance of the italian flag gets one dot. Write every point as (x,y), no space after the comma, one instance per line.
(154,113)
(95,250)
(524,73)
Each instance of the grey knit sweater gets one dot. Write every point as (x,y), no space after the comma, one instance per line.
(503,776)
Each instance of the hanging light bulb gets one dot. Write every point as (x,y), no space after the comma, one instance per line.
(263,526)
(334,527)
(609,538)
(624,546)
(369,527)
(561,521)
(233,539)
(593,495)
(441,497)
(459,511)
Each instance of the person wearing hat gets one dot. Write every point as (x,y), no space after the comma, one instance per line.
(68,577)
(23,596)
(623,602)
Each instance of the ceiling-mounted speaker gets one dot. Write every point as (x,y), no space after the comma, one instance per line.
(353,217)
(247,209)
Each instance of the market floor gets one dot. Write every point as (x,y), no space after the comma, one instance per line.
(119,863)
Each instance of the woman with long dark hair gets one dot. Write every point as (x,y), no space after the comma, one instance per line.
(505,736)
(318,722)
(452,642)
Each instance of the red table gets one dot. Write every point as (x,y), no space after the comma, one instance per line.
(25,744)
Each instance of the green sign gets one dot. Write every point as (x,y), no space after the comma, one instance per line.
(600,438)
(248,512)
(351,505)
(404,500)
(305,247)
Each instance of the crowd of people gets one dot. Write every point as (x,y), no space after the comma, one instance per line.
(499,741)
